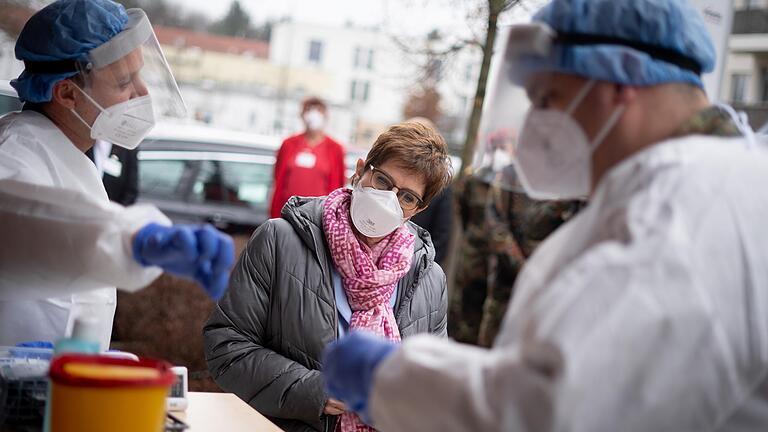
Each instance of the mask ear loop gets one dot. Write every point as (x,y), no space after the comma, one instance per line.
(580,96)
(609,124)
(608,127)
(81,119)
(87,96)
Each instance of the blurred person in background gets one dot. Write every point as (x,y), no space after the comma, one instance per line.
(351,261)
(501,228)
(309,164)
(119,170)
(437,219)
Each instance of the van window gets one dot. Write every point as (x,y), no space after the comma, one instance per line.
(234,183)
(160,178)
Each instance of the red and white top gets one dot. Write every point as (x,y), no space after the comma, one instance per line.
(305,170)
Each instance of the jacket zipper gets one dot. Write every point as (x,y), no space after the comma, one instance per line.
(329,419)
(421,268)
(333,296)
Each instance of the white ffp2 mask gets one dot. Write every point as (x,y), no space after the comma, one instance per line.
(375,213)
(124,124)
(554,156)
(314,119)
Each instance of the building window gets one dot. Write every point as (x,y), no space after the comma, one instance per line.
(359,91)
(315,51)
(738,87)
(764,84)
(753,4)
(363,58)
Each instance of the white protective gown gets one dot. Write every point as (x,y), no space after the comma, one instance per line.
(64,246)
(646,312)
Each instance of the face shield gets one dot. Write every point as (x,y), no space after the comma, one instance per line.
(131,65)
(126,81)
(504,111)
(528,49)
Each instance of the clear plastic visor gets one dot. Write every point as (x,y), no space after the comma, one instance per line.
(132,65)
(506,105)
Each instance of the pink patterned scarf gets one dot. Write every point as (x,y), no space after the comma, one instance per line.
(369,276)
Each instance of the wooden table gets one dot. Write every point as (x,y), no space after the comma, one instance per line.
(209,412)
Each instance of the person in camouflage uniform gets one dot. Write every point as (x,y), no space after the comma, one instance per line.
(502,227)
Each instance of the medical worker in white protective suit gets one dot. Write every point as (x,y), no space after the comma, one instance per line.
(92,71)
(649,310)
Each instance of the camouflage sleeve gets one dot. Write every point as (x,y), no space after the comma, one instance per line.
(544,217)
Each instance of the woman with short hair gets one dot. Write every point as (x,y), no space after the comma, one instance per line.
(346,262)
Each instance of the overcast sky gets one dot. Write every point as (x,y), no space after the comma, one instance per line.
(407,17)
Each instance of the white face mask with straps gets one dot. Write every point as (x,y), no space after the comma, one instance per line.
(315,120)
(554,156)
(124,124)
(375,213)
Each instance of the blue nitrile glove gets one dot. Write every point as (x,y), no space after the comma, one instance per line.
(35,344)
(198,252)
(23,353)
(348,368)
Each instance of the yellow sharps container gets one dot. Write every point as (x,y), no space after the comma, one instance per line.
(96,394)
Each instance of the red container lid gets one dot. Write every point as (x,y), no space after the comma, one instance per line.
(82,370)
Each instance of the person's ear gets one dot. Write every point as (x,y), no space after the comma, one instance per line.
(625,94)
(65,94)
(359,169)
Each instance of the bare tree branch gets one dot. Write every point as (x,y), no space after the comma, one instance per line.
(509,5)
(455,47)
(15,14)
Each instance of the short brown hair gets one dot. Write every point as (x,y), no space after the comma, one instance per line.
(417,148)
(313,102)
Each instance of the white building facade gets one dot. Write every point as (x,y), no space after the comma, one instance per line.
(367,76)
(362,73)
(371,74)
(745,82)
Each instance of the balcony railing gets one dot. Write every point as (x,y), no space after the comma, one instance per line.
(750,21)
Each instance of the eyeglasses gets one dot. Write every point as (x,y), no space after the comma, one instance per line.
(409,200)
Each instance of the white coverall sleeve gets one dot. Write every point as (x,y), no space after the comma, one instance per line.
(434,384)
(57,242)
(622,343)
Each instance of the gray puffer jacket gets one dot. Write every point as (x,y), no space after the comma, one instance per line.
(265,338)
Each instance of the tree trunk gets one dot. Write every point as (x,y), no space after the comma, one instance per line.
(495,8)
(470,142)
